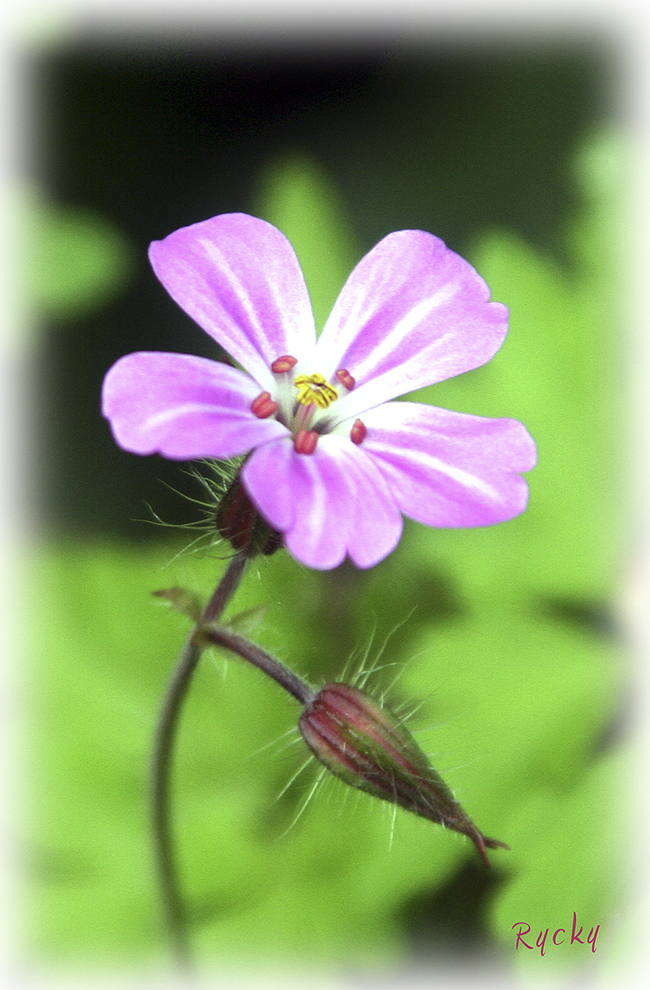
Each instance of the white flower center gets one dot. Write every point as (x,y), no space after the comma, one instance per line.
(298,403)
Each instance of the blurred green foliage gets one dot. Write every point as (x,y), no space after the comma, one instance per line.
(296,195)
(505,634)
(74,260)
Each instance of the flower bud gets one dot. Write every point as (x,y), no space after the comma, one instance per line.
(239,522)
(368,747)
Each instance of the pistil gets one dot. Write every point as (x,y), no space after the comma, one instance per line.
(315,389)
(303,417)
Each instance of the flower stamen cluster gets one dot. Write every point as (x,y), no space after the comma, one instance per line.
(300,401)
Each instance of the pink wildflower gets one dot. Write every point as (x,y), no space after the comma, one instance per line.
(333,463)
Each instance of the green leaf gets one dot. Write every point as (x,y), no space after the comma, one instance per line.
(247,622)
(570,859)
(75,260)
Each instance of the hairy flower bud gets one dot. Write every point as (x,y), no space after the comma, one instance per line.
(368,747)
(239,522)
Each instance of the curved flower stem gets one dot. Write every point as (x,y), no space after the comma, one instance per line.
(270,665)
(175,919)
(225,589)
(175,916)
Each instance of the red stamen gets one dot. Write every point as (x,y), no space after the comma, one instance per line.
(346,379)
(305,441)
(358,432)
(283,364)
(264,406)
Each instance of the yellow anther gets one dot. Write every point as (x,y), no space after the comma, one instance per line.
(316,390)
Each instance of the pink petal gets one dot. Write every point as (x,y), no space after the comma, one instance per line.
(411,313)
(450,469)
(328,504)
(267,476)
(324,510)
(378,522)
(239,278)
(183,407)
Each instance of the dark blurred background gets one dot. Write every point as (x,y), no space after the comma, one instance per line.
(149,135)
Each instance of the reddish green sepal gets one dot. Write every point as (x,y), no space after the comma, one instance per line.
(368,747)
(239,522)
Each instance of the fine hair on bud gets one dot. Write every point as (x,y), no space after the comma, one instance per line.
(363,743)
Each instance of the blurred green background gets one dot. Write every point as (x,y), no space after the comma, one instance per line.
(511,152)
